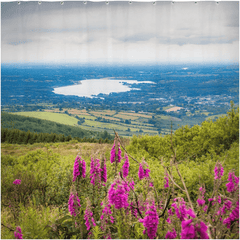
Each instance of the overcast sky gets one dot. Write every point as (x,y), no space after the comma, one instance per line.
(120,32)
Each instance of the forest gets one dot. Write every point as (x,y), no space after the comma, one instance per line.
(181,185)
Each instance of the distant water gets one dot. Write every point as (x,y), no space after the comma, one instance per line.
(92,87)
(114,84)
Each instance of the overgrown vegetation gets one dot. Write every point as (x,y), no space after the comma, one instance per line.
(185,174)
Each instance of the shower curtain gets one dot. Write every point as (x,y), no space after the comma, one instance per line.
(135,67)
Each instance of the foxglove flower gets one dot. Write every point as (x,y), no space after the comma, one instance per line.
(88,217)
(104,171)
(188,231)
(74,204)
(18,233)
(181,210)
(218,171)
(113,154)
(17,182)
(202,230)
(233,182)
(150,221)
(233,216)
(95,172)
(166,185)
(201,200)
(106,217)
(171,235)
(125,167)
(119,157)
(143,171)
(79,168)
(118,193)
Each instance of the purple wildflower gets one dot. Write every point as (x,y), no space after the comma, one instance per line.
(125,167)
(171,235)
(166,185)
(233,215)
(118,194)
(74,204)
(205,208)
(17,182)
(143,171)
(202,230)
(218,171)
(106,217)
(119,157)
(133,210)
(88,217)
(201,202)
(104,172)
(188,231)
(95,172)
(113,153)
(226,205)
(79,168)
(150,221)
(233,182)
(18,234)
(140,172)
(181,211)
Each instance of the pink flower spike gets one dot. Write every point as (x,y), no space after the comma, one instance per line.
(74,204)
(140,172)
(79,168)
(17,182)
(218,171)
(119,154)
(233,182)
(150,221)
(18,234)
(201,202)
(113,154)
(125,167)
(171,235)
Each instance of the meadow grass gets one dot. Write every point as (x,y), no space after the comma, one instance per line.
(55,117)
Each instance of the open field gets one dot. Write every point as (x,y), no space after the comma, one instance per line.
(55,117)
(138,123)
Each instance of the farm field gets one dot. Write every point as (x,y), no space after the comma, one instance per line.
(127,123)
(99,120)
(51,116)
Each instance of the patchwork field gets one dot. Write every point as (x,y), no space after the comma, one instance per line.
(126,123)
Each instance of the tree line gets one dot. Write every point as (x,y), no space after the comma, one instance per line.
(16,136)
(13,121)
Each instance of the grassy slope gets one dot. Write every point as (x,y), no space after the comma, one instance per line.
(55,117)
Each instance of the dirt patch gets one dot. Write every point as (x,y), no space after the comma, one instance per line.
(173,109)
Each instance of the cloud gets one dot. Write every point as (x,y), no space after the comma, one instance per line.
(119,31)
